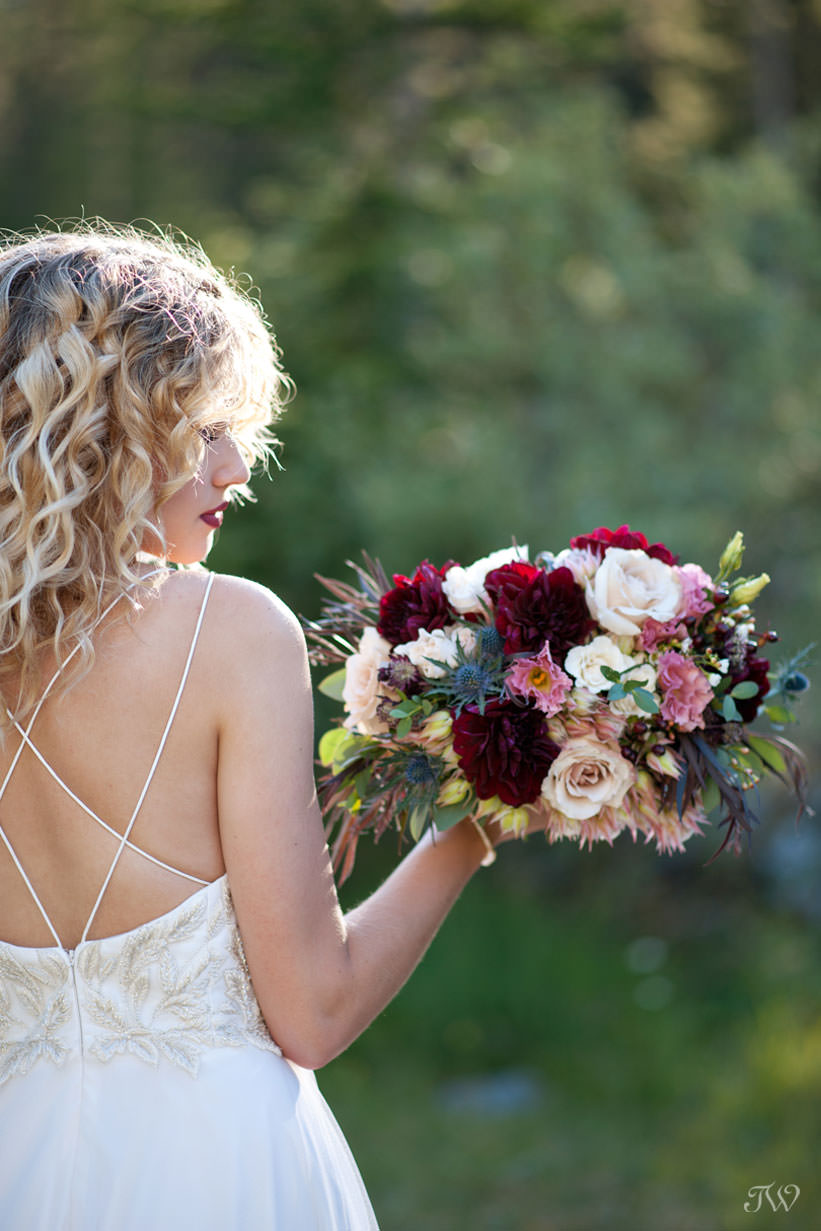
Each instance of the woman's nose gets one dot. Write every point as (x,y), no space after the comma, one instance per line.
(231,467)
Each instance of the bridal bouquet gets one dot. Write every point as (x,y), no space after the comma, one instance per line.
(603,689)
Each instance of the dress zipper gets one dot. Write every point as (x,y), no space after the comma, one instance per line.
(71,954)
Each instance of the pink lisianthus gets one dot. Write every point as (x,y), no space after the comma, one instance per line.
(694,582)
(654,633)
(541,681)
(685,691)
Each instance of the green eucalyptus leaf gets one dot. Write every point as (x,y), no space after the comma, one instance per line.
(645,701)
(404,728)
(729,710)
(333,684)
(616,692)
(747,688)
(611,675)
(404,708)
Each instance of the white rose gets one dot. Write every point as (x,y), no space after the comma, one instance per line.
(439,644)
(464,588)
(587,776)
(582,563)
(628,588)
(643,673)
(584,663)
(361,691)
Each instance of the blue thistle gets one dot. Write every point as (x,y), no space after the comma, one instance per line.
(491,642)
(419,771)
(471,682)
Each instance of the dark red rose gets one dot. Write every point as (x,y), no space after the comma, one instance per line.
(602,538)
(533,606)
(415,602)
(757,670)
(506,751)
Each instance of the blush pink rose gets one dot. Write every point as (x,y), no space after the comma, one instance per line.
(653,633)
(694,581)
(540,680)
(685,691)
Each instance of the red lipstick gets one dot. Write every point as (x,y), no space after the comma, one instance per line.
(213,517)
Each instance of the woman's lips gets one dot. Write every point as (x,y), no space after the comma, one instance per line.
(213,517)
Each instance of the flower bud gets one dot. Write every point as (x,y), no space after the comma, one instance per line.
(453,792)
(748,591)
(514,820)
(437,726)
(664,763)
(732,555)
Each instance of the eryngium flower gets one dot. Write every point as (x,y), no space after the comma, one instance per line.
(505,751)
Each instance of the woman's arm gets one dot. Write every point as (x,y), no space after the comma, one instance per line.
(320,977)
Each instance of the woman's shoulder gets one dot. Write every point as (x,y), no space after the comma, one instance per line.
(244,616)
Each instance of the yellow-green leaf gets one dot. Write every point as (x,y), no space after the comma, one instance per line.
(770,753)
(333,684)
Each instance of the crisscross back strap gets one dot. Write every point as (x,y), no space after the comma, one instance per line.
(132,846)
(19,753)
(156,760)
(26,741)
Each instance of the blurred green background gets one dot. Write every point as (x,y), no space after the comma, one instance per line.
(535,266)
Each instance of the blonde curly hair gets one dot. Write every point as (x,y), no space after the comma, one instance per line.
(121,352)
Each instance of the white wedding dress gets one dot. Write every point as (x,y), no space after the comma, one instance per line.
(140,1089)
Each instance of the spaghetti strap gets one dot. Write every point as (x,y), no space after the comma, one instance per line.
(26,741)
(138,850)
(155,762)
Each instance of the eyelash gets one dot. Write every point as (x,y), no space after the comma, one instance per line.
(212,433)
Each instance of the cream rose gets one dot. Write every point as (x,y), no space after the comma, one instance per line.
(584,663)
(628,588)
(440,644)
(464,588)
(587,776)
(361,691)
(582,563)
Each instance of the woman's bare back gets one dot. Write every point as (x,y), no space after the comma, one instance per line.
(101,737)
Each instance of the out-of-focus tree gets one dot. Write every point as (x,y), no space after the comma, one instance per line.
(533,265)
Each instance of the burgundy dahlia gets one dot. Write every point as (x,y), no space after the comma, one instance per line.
(533,606)
(415,602)
(755,669)
(506,751)
(601,538)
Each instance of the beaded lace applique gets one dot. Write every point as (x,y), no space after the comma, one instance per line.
(169,990)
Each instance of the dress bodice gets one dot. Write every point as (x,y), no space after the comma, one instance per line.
(165,991)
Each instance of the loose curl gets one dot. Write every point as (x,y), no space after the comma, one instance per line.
(119,351)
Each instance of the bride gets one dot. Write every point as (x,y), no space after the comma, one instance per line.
(173,958)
